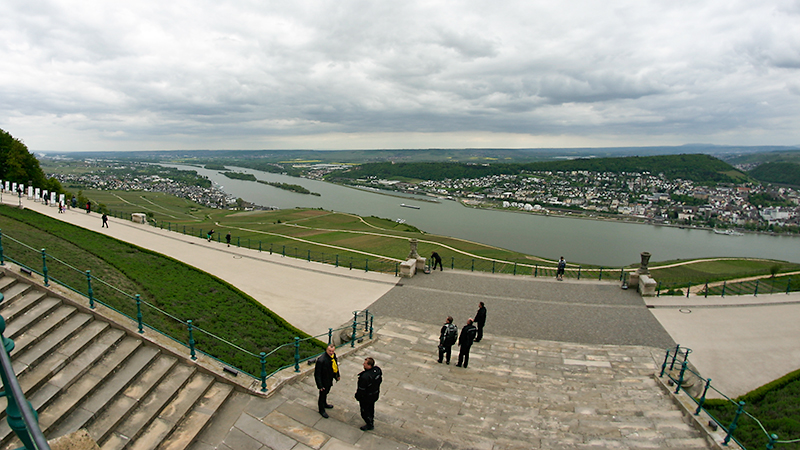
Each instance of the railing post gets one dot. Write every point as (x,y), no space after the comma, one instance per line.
(723,288)
(191,341)
(755,294)
(675,356)
(688,287)
(355,324)
(733,425)
(139,312)
(702,400)
(371,320)
(330,335)
(788,283)
(658,290)
(283,252)
(493,266)
(579,272)
(473,264)
(296,354)
(337,260)
(89,290)
(396,267)
(600,278)
(270,248)
(13,412)
(366,320)
(44,267)
(3,261)
(452,262)
(706,289)
(680,377)
(515,267)
(773,438)
(622,274)
(535,271)
(664,364)
(366,265)
(309,256)
(263,357)
(259,246)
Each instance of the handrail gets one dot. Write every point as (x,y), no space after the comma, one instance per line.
(261,359)
(27,429)
(675,354)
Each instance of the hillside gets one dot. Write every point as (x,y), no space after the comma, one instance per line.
(698,168)
(778,172)
(18,165)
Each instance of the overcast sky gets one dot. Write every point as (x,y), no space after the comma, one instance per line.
(195,74)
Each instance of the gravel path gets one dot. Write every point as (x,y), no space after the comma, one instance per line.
(583,312)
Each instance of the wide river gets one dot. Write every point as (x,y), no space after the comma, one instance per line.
(605,243)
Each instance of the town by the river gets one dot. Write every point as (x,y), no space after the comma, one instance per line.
(604,243)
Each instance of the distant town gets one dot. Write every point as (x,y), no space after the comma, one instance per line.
(641,197)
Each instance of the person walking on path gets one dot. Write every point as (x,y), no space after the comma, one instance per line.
(465,343)
(560,271)
(436,260)
(368,391)
(210,234)
(228,238)
(447,337)
(480,320)
(88,207)
(325,371)
(105,220)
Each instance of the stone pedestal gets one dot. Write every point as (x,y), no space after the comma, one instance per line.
(139,217)
(647,286)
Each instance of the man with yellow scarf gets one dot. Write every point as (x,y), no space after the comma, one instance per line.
(325,371)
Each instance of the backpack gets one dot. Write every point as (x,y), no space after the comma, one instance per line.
(450,334)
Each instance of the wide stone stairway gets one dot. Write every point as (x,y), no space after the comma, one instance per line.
(82,372)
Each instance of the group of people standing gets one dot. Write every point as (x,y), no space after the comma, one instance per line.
(326,370)
(470,333)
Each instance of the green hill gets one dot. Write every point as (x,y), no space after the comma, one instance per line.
(777,172)
(697,167)
(18,165)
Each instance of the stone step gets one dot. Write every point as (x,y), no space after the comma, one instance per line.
(34,333)
(91,381)
(39,310)
(224,420)
(104,395)
(109,416)
(198,418)
(14,291)
(16,307)
(148,408)
(6,282)
(178,411)
(79,329)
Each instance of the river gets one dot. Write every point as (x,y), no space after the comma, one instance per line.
(599,242)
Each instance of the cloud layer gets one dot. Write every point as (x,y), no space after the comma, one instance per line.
(98,75)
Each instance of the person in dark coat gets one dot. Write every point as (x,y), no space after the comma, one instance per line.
(105,220)
(369,389)
(447,337)
(480,320)
(325,371)
(436,260)
(228,238)
(465,343)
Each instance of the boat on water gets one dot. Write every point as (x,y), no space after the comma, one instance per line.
(728,232)
(409,206)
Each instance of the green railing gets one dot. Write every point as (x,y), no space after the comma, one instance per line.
(148,316)
(388,265)
(764,285)
(679,357)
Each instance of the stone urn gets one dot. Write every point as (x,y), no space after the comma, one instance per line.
(413,253)
(643,270)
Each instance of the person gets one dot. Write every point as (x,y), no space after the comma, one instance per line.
(228,238)
(105,220)
(88,207)
(325,371)
(210,234)
(560,271)
(436,260)
(368,391)
(74,202)
(480,319)
(447,337)
(465,342)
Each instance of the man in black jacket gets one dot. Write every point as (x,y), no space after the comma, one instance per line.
(465,343)
(325,371)
(369,389)
(480,319)
(447,337)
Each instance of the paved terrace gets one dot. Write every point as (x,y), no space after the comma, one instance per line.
(547,343)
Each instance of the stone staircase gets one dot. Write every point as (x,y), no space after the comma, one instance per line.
(81,372)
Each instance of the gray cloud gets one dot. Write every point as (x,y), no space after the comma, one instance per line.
(358,74)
